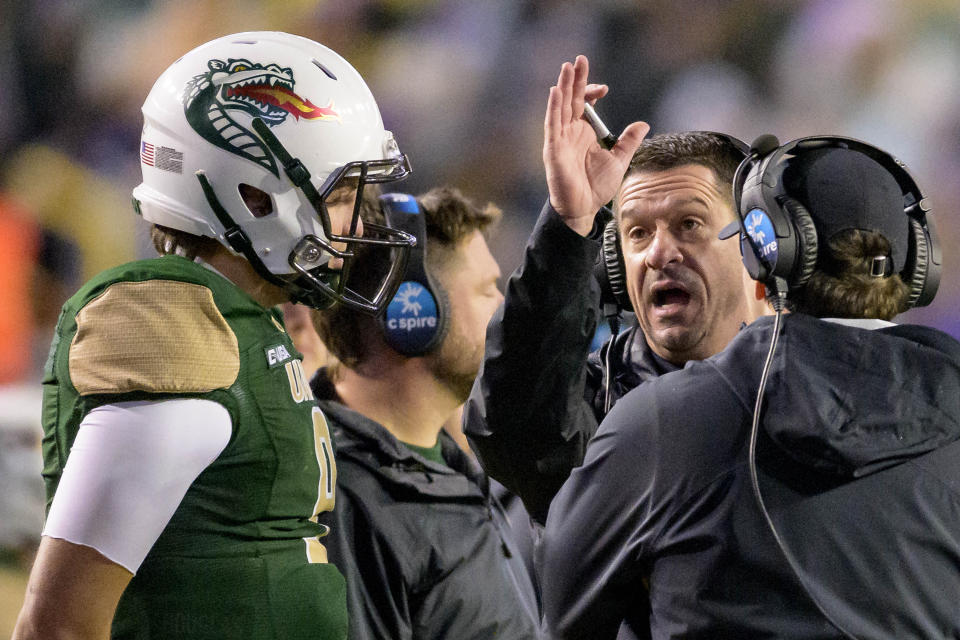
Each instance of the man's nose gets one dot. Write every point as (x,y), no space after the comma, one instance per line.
(345,221)
(663,250)
(359,231)
(340,215)
(341,219)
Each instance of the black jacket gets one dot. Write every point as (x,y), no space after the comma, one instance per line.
(426,551)
(539,396)
(859,467)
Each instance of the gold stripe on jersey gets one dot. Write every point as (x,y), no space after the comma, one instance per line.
(326,488)
(316,552)
(159,336)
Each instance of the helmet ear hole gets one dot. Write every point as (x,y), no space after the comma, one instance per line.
(257,201)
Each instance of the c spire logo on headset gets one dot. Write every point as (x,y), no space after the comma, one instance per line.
(261,91)
(411,316)
(760,229)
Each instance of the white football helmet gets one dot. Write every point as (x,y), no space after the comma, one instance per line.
(288,120)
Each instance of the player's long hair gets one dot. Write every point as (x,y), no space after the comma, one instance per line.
(169,241)
(842,287)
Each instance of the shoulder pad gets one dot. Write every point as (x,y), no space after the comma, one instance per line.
(158,336)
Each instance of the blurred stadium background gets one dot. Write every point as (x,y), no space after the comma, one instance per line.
(463,86)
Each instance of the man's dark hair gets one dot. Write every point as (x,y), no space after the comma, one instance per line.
(670,150)
(450,217)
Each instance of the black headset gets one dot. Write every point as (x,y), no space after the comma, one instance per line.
(611,271)
(778,239)
(415,320)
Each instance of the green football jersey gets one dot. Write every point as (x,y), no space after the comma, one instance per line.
(241,556)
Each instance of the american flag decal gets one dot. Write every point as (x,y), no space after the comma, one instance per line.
(146,153)
(163,158)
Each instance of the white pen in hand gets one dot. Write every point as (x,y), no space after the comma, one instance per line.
(604,137)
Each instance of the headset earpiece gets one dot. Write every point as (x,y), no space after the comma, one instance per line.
(614,270)
(918,256)
(750,256)
(806,255)
(415,321)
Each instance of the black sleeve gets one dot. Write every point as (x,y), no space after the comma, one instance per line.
(526,417)
(596,539)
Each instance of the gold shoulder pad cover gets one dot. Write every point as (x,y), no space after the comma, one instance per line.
(158,336)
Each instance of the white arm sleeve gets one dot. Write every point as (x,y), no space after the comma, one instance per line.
(129,468)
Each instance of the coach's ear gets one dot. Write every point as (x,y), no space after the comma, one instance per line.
(760,292)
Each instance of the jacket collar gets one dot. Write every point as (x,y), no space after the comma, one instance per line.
(369,444)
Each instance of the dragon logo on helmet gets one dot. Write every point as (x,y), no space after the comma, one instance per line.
(211,99)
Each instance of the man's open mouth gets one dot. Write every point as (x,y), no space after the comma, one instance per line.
(670,296)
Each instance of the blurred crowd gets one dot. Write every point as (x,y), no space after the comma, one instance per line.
(463,86)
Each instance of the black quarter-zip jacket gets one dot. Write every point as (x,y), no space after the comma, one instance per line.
(426,550)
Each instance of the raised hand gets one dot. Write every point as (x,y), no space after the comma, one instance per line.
(582,175)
